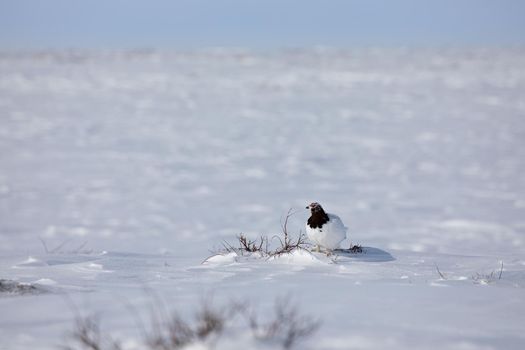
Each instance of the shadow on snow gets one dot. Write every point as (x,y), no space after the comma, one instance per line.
(369,254)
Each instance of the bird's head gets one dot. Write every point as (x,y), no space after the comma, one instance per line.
(315,207)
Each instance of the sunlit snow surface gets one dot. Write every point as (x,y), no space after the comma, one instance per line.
(131,166)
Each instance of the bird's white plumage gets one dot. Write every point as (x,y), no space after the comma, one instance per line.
(330,235)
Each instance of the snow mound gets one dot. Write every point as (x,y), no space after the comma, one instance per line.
(45,282)
(300,257)
(30,261)
(221,259)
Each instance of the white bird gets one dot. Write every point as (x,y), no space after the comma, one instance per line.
(324,229)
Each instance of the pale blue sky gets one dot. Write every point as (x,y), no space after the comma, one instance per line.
(259,24)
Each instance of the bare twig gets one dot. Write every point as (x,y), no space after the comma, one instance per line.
(209,321)
(440,274)
(57,248)
(287,244)
(80,247)
(228,247)
(174,334)
(44,244)
(485,278)
(287,325)
(356,248)
(251,246)
(88,336)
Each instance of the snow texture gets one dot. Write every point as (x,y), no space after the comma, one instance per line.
(120,171)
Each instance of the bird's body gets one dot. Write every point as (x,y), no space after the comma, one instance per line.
(325,229)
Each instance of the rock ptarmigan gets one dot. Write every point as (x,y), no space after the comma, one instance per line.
(324,229)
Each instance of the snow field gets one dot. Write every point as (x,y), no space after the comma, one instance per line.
(121,171)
